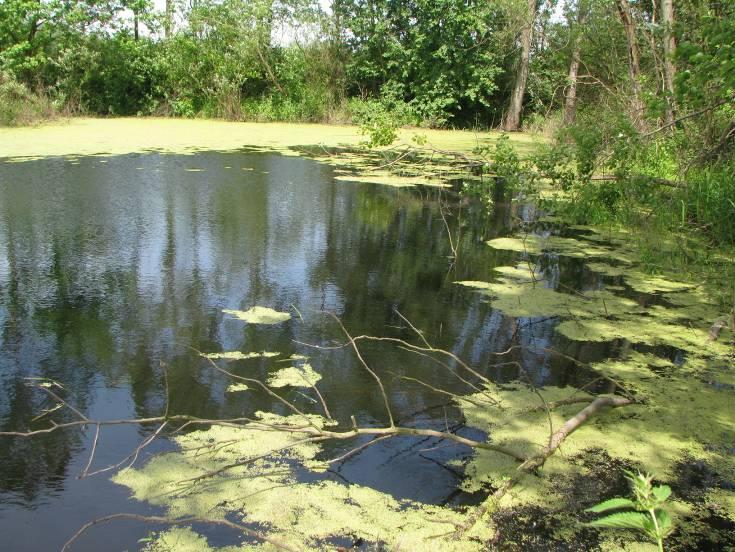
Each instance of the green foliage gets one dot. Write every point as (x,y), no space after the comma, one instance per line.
(709,200)
(121,78)
(511,174)
(612,504)
(18,106)
(707,53)
(507,165)
(379,120)
(425,53)
(648,516)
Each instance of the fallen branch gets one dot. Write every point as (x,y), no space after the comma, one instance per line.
(538,460)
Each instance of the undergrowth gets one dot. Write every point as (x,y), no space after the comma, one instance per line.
(20,106)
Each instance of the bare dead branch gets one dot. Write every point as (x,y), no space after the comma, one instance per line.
(365,365)
(536,461)
(132,457)
(414,328)
(358,449)
(442,391)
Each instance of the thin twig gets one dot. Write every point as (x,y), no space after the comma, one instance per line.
(370,370)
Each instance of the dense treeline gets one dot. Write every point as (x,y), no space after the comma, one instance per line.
(640,90)
(436,62)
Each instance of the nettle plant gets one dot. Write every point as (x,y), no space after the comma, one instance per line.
(644,512)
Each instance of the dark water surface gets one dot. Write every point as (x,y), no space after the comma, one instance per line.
(111,266)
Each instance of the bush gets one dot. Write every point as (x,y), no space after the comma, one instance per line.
(376,121)
(18,105)
(708,200)
(124,77)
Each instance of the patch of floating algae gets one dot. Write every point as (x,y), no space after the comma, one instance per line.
(235,387)
(396,181)
(259,315)
(118,136)
(521,424)
(265,492)
(673,418)
(606,269)
(682,322)
(530,244)
(648,283)
(533,244)
(238,355)
(295,376)
(339,146)
(650,329)
(184,539)
(520,292)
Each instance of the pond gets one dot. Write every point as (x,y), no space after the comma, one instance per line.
(115,272)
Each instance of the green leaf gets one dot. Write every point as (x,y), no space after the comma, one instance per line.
(650,528)
(622,520)
(661,493)
(665,523)
(612,504)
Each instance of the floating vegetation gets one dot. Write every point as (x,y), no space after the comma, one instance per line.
(259,315)
(295,376)
(234,387)
(606,269)
(649,330)
(262,489)
(338,146)
(533,244)
(648,283)
(237,355)
(669,422)
(683,409)
(683,322)
(521,292)
(250,474)
(396,181)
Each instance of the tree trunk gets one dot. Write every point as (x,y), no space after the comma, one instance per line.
(634,69)
(135,24)
(667,20)
(168,25)
(512,118)
(35,21)
(570,97)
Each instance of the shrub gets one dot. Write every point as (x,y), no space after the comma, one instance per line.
(18,105)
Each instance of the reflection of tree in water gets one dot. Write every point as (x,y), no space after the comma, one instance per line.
(32,465)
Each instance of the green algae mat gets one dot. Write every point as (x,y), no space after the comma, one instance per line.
(340,146)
